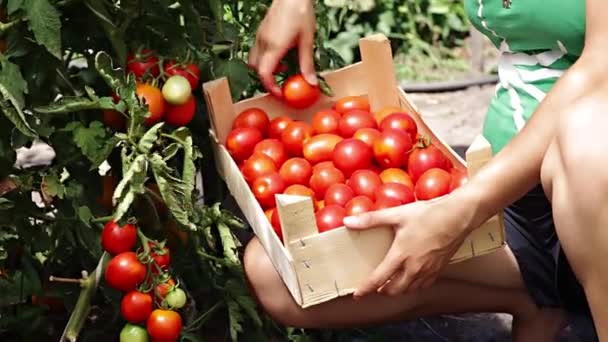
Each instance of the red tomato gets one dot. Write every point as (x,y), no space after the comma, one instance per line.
(138,63)
(277,126)
(298,93)
(386,111)
(359,205)
(330,217)
(351,155)
(459,178)
(391,149)
(385,203)
(320,147)
(265,187)
(338,194)
(394,175)
(323,165)
(114,120)
(400,121)
(190,71)
(275,221)
(296,171)
(323,177)
(365,182)
(153,98)
(124,272)
(301,190)
(136,307)
(252,117)
(353,120)
(347,103)
(161,256)
(396,191)
(273,148)
(295,135)
(163,288)
(116,239)
(258,165)
(425,158)
(164,325)
(326,121)
(367,135)
(180,115)
(241,142)
(433,183)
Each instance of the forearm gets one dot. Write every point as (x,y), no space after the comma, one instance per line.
(516,168)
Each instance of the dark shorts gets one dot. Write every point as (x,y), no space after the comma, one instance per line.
(546,272)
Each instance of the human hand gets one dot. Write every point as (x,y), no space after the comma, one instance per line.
(287,24)
(427,234)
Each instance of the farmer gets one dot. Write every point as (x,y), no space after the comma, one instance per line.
(547,125)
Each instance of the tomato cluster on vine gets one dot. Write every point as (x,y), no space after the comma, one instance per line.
(347,159)
(166,87)
(140,269)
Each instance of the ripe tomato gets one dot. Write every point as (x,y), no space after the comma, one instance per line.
(133,333)
(320,147)
(164,325)
(459,178)
(298,93)
(190,71)
(351,155)
(116,239)
(400,121)
(180,115)
(347,103)
(338,194)
(277,126)
(385,203)
(301,190)
(396,191)
(394,175)
(141,62)
(296,171)
(367,135)
(124,272)
(326,121)
(353,120)
(275,221)
(160,255)
(330,217)
(252,117)
(176,90)
(425,158)
(386,111)
(258,165)
(295,135)
(433,183)
(274,149)
(136,306)
(365,182)
(241,142)
(265,187)
(323,177)
(391,149)
(359,205)
(114,120)
(153,98)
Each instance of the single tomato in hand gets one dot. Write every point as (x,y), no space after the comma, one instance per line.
(365,182)
(391,149)
(273,148)
(326,121)
(359,205)
(351,155)
(264,189)
(252,117)
(330,217)
(320,147)
(433,183)
(277,126)
(298,93)
(241,142)
(295,135)
(347,103)
(338,194)
(296,171)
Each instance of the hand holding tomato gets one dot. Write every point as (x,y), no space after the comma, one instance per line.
(427,234)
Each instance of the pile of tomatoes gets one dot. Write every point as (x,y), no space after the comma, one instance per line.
(166,87)
(347,160)
(150,296)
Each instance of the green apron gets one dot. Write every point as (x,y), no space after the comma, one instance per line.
(538,41)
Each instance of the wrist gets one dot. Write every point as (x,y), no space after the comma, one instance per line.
(467,203)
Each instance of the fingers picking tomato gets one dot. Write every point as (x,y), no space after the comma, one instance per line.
(298,93)
(116,239)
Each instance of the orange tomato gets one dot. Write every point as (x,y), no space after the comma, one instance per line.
(153,98)
(395,175)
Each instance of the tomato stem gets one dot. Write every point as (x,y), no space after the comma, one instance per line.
(102,219)
(66,280)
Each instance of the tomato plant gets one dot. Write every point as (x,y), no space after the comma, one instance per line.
(116,239)
(176,299)
(298,93)
(161,256)
(136,306)
(180,115)
(176,90)
(142,63)
(153,98)
(164,325)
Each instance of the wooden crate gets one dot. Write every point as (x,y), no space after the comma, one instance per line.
(319,267)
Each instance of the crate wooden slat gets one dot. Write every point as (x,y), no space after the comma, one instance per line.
(320,267)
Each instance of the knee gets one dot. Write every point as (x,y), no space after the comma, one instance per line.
(270,291)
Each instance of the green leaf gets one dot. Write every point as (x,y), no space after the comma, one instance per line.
(44,21)
(6,204)
(132,182)
(94,141)
(85,215)
(53,186)
(147,141)
(13,6)
(237,73)
(12,88)
(75,104)
(170,151)
(236,318)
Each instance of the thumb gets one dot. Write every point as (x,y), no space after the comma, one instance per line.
(306,57)
(386,217)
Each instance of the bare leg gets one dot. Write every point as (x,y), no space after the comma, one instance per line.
(463,291)
(575,173)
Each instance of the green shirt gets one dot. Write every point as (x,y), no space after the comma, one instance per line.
(538,40)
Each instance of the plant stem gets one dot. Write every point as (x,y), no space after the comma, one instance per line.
(203,318)
(144,241)
(66,280)
(101,219)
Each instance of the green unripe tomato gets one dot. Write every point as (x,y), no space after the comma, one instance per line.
(177,90)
